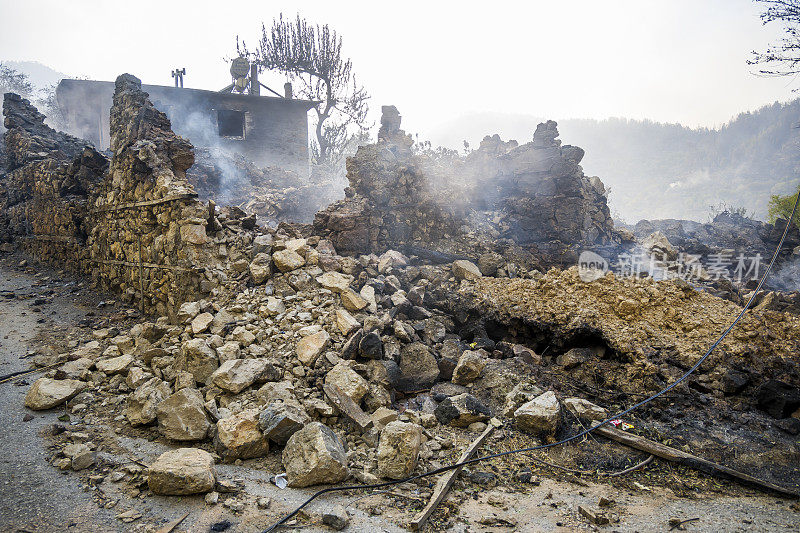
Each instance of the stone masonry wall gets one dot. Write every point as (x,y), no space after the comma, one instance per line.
(133,223)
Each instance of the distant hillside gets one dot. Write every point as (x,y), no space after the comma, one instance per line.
(41,76)
(657,170)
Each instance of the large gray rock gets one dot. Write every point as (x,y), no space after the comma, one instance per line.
(235,375)
(198,358)
(182,416)
(279,421)
(461,410)
(182,471)
(47,393)
(539,416)
(418,368)
(142,403)
(239,437)
(398,449)
(469,367)
(313,456)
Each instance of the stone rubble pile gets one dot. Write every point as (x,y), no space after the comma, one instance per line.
(531,200)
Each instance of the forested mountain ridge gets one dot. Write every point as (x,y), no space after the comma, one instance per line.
(657,170)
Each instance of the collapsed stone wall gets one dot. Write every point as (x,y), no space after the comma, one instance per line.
(133,223)
(44,197)
(534,196)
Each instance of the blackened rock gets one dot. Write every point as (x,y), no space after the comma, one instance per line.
(778,399)
(461,411)
(446,367)
(351,347)
(418,368)
(370,346)
(733,382)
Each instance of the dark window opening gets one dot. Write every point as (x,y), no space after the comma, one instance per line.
(230,123)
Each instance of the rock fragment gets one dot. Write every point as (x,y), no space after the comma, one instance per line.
(279,421)
(461,410)
(398,449)
(309,348)
(239,436)
(182,416)
(314,456)
(46,393)
(182,471)
(539,416)
(469,367)
(235,375)
(463,269)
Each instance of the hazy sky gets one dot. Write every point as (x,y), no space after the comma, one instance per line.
(670,60)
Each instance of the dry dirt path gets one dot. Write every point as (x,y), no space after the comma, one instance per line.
(34,496)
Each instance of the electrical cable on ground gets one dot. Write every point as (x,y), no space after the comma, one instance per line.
(577,436)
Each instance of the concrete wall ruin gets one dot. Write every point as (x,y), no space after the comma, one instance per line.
(268,131)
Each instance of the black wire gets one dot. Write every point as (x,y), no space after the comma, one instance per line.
(578,435)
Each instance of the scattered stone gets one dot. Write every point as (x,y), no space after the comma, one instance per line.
(348,381)
(469,367)
(346,323)
(182,471)
(235,375)
(260,269)
(313,456)
(418,368)
(540,416)
(526,354)
(352,301)
(595,517)
(288,260)
(115,365)
(239,436)
(461,411)
(334,281)
(279,421)
(398,449)
(212,498)
(142,403)
(584,409)
(188,311)
(198,358)
(80,454)
(182,416)
(309,348)
(463,269)
(201,322)
(347,406)
(46,393)
(336,517)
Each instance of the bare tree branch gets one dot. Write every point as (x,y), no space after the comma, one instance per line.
(783,57)
(311,56)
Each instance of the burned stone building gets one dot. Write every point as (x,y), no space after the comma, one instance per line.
(269,131)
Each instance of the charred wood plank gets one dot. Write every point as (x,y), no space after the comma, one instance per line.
(687,459)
